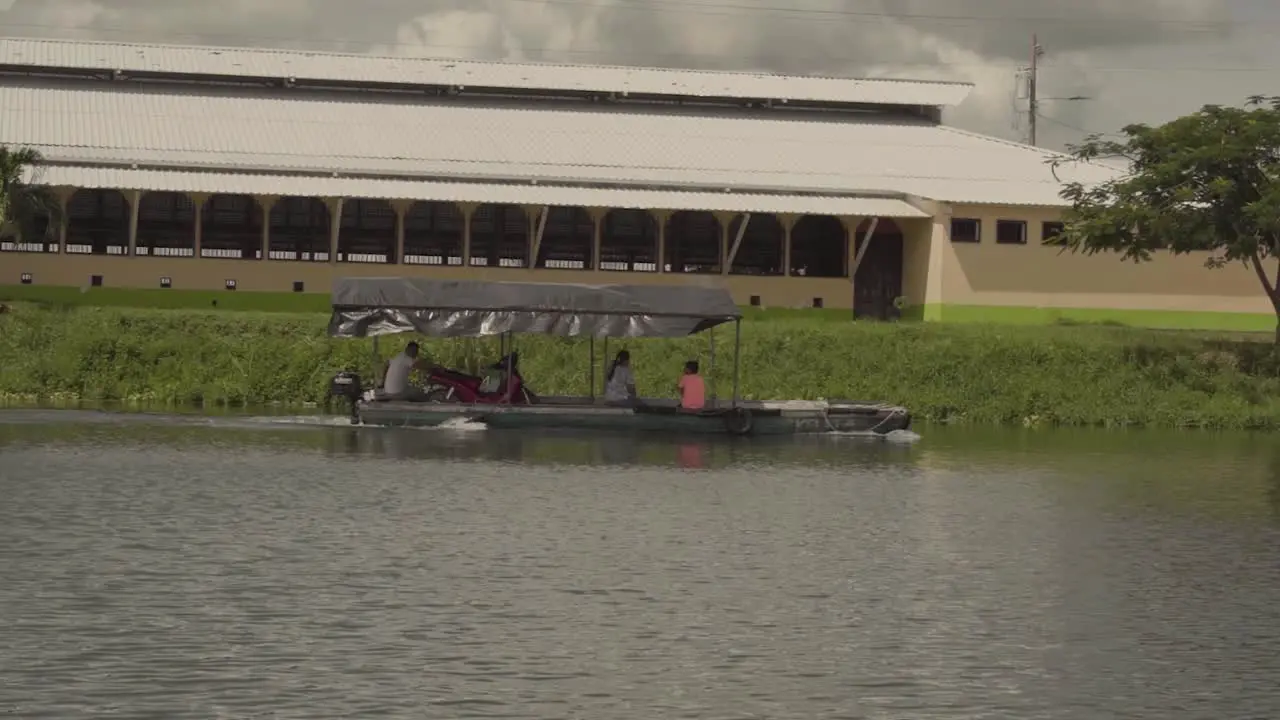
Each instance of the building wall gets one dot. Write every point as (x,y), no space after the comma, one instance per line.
(279,276)
(986,280)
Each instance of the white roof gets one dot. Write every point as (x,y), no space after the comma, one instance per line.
(231,130)
(473,192)
(315,66)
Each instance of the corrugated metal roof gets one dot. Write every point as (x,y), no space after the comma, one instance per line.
(259,63)
(474,192)
(166,127)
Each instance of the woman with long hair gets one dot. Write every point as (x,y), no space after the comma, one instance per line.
(620,384)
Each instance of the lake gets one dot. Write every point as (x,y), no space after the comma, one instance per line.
(184,566)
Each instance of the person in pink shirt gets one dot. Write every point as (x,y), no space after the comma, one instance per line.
(693,391)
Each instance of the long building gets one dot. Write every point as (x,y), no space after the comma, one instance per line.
(203,168)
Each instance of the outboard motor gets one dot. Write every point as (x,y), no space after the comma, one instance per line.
(346,386)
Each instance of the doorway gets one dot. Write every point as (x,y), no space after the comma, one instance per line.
(878,281)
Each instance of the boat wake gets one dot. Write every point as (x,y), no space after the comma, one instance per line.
(895,437)
(461,425)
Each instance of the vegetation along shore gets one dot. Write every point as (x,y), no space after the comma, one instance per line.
(1046,375)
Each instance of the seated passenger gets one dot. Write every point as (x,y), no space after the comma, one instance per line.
(396,375)
(693,391)
(620,384)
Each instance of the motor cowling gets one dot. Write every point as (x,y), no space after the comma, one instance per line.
(346,385)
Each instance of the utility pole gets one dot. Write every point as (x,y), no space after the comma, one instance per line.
(1033,100)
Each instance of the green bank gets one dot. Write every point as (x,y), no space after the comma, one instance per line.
(1029,375)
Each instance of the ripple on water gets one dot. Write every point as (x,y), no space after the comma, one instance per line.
(251,578)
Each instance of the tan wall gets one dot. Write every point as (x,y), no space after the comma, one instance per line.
(1034,275)
(279,276)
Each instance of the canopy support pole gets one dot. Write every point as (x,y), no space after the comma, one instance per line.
(866,243)
(737,359)
(604,365)
(511,348)
(537,236)
(737,243)
(711,371)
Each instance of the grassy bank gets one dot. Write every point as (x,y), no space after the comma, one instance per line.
(980,374)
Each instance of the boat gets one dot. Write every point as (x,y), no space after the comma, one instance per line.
(376,307)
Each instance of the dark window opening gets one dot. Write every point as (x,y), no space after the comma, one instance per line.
(231,227)
(433,234)
(755,301)
(964,230)
(300,229)
(500,236)
(629,241)
(819,247)
(760,252)
(568,238)
(98,223)
(368,231)
(95,281)
(817,303)
(1050,231)
(1011,232)
(693,243)
(42,241)
(299,286)
(166,225)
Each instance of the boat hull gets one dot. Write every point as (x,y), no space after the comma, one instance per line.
(756,418)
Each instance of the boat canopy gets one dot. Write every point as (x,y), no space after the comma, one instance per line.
(366,307)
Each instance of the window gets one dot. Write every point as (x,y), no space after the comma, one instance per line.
(1049,231)
(966,231)
(166,282)
(1011,232)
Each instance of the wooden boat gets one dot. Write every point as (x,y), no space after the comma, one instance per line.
(373,307)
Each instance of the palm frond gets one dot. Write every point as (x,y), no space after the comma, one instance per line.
(27,210)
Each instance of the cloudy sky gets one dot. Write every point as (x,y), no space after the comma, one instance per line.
(1136,60)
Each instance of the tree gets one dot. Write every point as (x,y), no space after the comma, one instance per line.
(27,210)
(1206,182)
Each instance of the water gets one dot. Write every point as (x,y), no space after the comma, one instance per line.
(196,567)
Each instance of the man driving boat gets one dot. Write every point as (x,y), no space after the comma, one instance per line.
(396,375)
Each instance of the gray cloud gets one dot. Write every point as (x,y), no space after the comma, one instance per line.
(981,41)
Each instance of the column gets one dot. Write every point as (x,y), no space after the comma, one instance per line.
(335,227)
(725,219)
(266,202)
(64,196)
(788,221)
(135,200)
(661,216)
(597,222)
(533,248)
(402,209)
(198,201)
(850,224)
(468,209)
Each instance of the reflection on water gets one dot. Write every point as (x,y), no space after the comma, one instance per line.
(196,567)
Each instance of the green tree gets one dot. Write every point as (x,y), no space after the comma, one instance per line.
(27,210)
(1206,182)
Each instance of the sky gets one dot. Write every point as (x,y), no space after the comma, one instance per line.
(1135,61)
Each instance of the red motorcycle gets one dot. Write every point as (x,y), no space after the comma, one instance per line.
(446,385)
